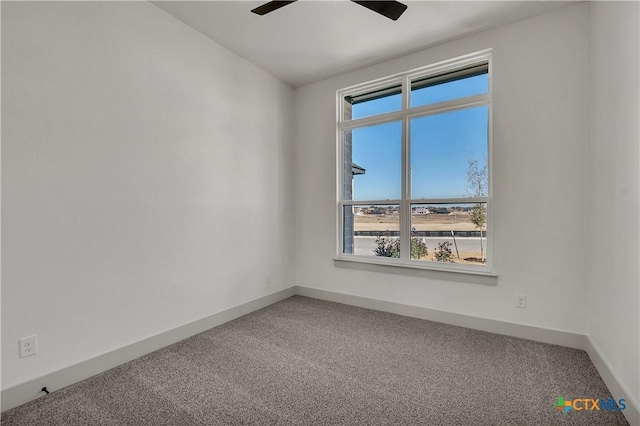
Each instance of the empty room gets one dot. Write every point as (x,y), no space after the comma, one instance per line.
(320,213)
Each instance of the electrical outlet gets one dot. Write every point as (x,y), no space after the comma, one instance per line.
(267,279)
(521,301)
(28,346)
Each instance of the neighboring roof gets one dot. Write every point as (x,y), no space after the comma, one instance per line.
(357,170)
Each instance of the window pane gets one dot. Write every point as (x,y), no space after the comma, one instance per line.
(449,154)
(452,233)
(372,163)
(372,230)
(377,102)
(433,90)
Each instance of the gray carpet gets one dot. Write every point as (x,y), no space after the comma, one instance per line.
(308,362)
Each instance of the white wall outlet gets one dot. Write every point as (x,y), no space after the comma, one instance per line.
(521,301)
(28,346)
(267,279)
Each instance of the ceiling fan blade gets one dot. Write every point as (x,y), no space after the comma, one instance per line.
(390,9)
(270,7)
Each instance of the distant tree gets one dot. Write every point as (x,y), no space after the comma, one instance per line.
(477,178)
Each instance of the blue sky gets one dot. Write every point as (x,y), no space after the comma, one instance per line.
(441,145)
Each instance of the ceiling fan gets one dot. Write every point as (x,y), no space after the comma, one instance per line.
(390,9)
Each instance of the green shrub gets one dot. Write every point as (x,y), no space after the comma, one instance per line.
(443,252)
(387,246)
(390,247)
(418,248)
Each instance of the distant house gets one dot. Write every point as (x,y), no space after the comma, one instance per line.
(421,210)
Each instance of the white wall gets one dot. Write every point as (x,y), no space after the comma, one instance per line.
(541,152)
(614,281)
(146,179)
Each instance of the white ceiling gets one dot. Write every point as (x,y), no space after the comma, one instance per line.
(308,41)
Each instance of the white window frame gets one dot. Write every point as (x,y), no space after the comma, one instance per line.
(405,114)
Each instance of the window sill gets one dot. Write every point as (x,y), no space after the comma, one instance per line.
(403,265)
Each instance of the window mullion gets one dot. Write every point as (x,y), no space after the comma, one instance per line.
(405,208)
(406,94)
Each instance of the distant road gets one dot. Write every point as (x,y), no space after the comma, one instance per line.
(365,246)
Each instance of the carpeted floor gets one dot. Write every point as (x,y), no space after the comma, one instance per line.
(308,362)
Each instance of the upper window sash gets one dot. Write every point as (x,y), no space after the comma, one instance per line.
(404,83)
(421,83)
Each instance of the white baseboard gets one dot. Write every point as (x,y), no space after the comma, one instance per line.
(611,379)
(555,337)
(30,390)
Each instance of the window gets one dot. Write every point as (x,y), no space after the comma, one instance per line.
(414,168)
